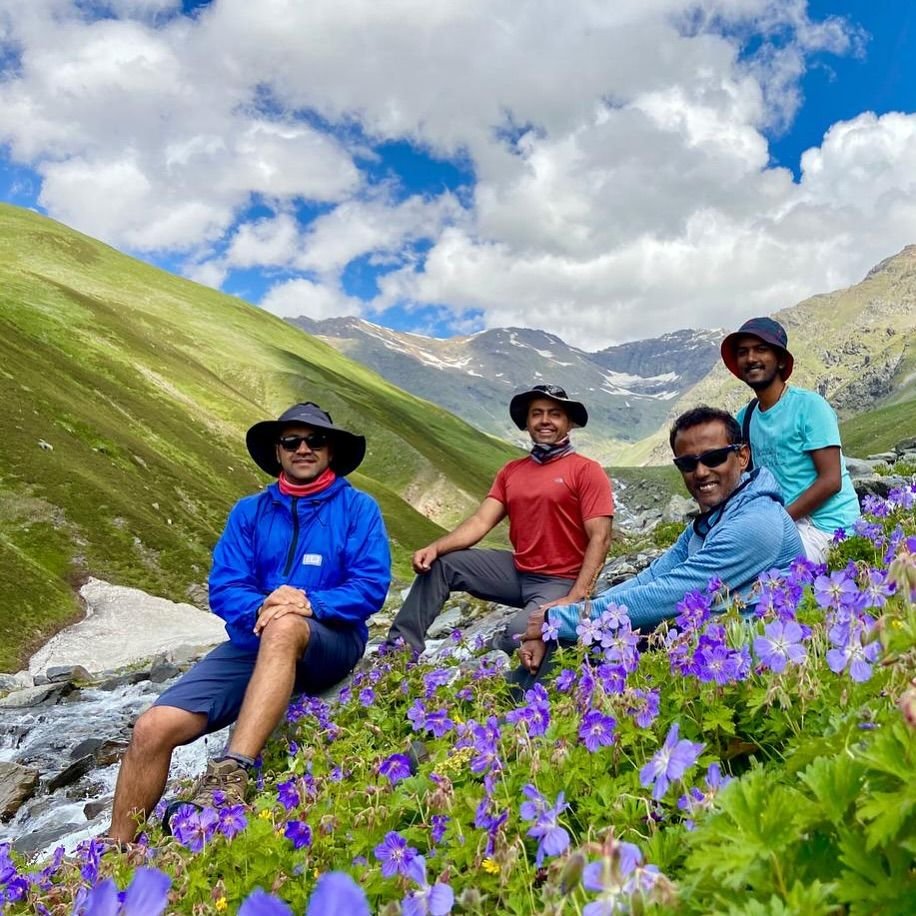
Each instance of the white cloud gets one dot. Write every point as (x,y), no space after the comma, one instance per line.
(305,297)
(622,177)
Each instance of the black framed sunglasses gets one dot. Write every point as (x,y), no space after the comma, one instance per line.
(314,441)
(711,459)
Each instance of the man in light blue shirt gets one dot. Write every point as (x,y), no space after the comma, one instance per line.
(793,432)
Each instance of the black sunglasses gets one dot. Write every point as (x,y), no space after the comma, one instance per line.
(711,459)
(314,441)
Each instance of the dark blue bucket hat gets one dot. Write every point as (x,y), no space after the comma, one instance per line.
(347,449)
(769,331)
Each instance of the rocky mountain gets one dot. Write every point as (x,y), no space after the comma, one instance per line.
(628,388)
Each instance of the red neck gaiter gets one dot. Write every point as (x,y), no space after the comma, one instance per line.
(320,483)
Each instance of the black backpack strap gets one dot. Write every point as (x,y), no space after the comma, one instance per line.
(746,430)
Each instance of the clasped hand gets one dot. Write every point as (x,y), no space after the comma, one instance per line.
(280,602)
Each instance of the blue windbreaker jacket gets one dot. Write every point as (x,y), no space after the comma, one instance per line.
(751,535)
(333,545)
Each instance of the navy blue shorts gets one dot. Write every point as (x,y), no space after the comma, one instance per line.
(216,685)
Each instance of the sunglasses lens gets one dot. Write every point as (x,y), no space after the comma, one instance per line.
(314,441)
(711,459)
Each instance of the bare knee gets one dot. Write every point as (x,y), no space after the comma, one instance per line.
(286,635)
(164,728)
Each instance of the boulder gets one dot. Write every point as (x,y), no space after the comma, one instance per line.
(71,774)
(876,486)
(885,457)
(32,696)
(59,673)
(17,783)
(680,509)
(16,681)
(859,467)
(163,670)
(124,680)
(87,746)
(446,622)
(41,839)
(906,445)
(110,751)
(94,808)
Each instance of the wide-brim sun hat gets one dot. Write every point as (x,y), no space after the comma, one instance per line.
(769,331)
(518,406)
(347,449)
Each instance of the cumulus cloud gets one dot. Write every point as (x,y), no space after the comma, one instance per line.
(622,184)
(305,297)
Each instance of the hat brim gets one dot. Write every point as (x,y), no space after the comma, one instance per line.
(348,448)
(518,408)
(728,353)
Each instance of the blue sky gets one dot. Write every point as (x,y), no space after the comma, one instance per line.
(604,172)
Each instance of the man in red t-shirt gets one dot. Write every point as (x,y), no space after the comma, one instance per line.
(560,508)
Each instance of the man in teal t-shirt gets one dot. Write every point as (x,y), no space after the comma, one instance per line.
(794,433)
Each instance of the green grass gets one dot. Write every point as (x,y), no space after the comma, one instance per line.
(878,430)
(144,384)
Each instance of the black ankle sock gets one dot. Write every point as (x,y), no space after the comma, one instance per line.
(240,759)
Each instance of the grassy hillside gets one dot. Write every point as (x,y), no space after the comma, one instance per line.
(879,430)
(127,392)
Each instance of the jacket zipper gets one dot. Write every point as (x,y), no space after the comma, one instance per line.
(295,542)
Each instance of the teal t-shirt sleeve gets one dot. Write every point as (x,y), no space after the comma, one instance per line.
(819,425)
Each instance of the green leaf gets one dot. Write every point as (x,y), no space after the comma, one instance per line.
(835,783)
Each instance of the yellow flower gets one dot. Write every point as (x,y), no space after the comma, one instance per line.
(265,814)
(490,866)
(222,904)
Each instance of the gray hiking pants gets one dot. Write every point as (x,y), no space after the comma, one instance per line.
(487,574)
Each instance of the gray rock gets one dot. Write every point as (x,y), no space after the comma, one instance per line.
(71,774)
(886,457)
(906,445)
(93,809)
(185,655)
(163,670)
(86,746)
(40,839)
(110,751)
(17,783)
(876,486)
(58,673)
(16,681)
(124,680)
(445,623)
(680,509)
(859,467)
(32,696)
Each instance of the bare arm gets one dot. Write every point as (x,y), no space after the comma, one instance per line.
(828,481)
(599,540)
(488,515)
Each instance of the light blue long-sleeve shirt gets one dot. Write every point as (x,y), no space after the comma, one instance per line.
(750,535)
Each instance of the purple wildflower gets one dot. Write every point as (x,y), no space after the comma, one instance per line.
(394,854)
(435,900)
(616,878)
(596,730)
(780,645)
(260,903)
(438,827)
(552,838)
(433,680)
(550,632)
(395,768)
(484,820)
(565,680)
(669,763)
(288,794)
(366,696)
(439,723)
(232,820)
(147,895)
(696,800)
(834,591)
(299,834)
(643,706)
(336,893)
(589,632)
(193,828)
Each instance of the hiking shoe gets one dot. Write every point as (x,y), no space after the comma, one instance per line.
(224,783)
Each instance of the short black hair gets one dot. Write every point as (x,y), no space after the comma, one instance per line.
(696,416)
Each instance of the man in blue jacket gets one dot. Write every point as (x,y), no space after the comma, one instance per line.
(743,530)
(297,572)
